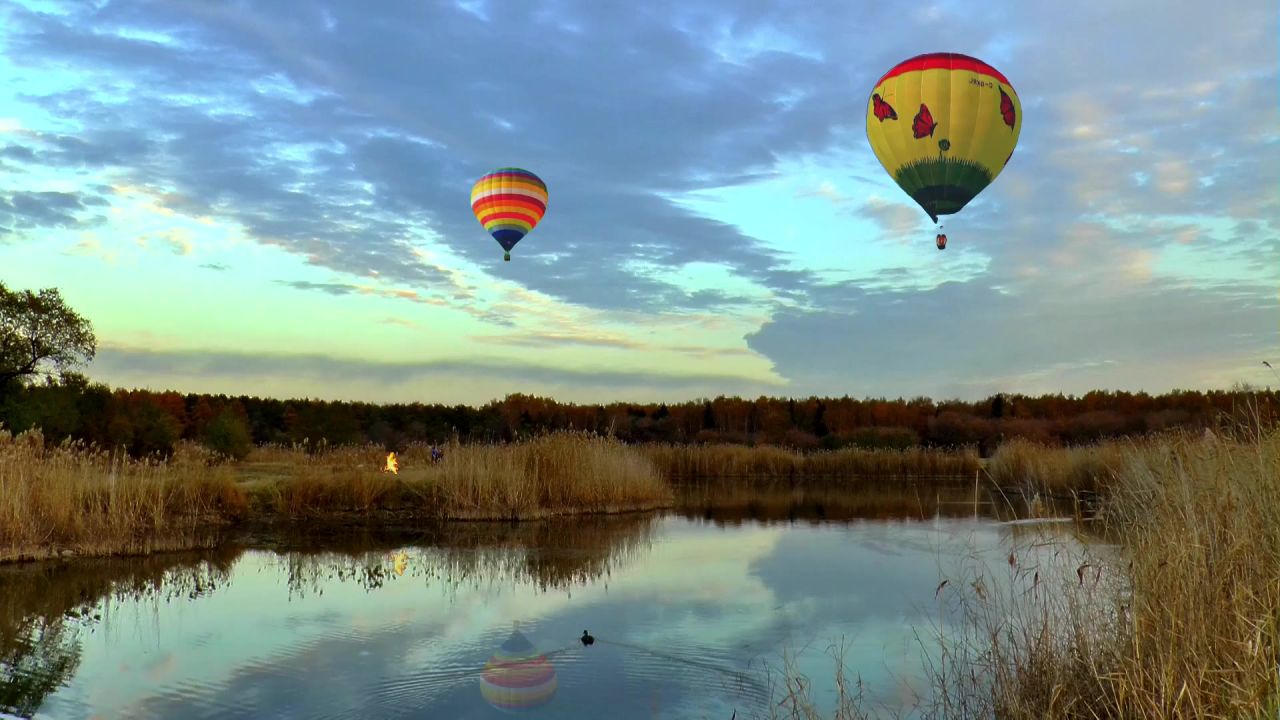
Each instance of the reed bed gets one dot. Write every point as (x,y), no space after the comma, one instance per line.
(560,473)
(1179,619)
(78,499)
(1056,470)
(768,461)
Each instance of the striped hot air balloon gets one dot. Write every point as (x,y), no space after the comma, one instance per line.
(518,677)
(943,125)
(509,202)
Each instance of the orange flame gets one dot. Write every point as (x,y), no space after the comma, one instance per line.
(393,465)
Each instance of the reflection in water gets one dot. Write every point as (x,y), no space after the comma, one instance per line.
(41,661)
(691,617)
(552,554)
(731,502)
(46,608)
(517,676)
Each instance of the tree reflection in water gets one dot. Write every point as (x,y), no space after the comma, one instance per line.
(46,607)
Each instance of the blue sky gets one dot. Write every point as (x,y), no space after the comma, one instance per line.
(272,198)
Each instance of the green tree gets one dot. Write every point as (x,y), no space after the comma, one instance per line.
(40,334)
(228,434)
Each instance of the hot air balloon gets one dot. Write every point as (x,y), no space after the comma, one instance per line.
(941,241)
(518,677)
(509,202)
(943,125)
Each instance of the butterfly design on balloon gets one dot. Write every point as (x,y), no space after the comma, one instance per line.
(923,124)
(883,110)
(1006,110)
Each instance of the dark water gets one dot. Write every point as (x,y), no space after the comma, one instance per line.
(693,617)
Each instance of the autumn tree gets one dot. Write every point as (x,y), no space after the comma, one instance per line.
(39,335)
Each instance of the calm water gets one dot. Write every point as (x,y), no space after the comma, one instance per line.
(692,619)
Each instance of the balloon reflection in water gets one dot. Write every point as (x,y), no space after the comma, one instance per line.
(518,677)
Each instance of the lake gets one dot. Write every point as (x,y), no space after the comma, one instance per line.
(693,614)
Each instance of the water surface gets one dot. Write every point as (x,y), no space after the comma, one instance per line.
(693,619)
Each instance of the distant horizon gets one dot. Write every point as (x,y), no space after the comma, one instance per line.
(277,199)
(1239,386)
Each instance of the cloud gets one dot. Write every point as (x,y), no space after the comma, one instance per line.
(177,240)
(559,340)
(400,322)
(320,131)
(340,378)
(23,210)
(91,246)
(895,219)
(970,339)
(342,154)
(827,191)
(335,288)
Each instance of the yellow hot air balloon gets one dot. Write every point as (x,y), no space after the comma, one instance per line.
(943,125)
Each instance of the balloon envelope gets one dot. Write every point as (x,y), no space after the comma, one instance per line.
(509,202)
(517,676)
(943,125)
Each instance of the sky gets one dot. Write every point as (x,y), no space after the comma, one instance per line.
(273,198)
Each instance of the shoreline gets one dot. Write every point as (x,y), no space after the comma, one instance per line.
(60,501)
(717,500)
(211,533)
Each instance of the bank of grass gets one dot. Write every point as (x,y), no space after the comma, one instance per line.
(73,498)
(1059,470)
(1180,620)
(81,500)
(848,465)
(557,474)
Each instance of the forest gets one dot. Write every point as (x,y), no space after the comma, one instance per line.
(146,422)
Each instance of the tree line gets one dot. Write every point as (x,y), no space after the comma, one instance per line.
(42,340)
(144,422)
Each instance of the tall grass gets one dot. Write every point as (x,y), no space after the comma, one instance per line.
(720,461)
(1181,619)
(77,499)
(560,473)
(1041,468)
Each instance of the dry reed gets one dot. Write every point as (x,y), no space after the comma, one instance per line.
(1181,619)
(78,499)
(1055,470)
(560,473)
